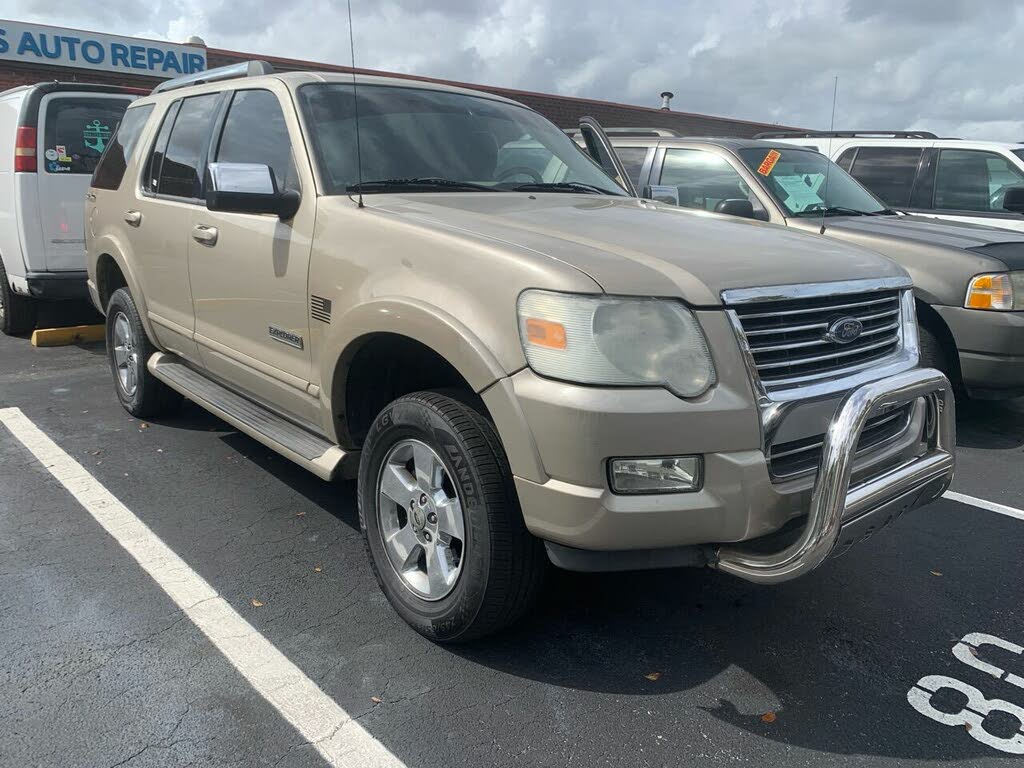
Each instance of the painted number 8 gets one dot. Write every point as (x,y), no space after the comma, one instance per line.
(973,715)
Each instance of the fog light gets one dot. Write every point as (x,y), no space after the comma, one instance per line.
(669,474)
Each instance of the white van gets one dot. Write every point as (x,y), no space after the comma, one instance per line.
(51,137)
(980,182)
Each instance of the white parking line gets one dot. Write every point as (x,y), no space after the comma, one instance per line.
(339,739)
(991,506)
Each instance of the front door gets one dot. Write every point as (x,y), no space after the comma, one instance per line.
(249,271)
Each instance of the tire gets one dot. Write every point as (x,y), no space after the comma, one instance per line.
(500,566)
(934,354)
(17,313)
(128,348)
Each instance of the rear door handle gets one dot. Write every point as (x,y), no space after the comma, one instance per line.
(133,217)
(204,234)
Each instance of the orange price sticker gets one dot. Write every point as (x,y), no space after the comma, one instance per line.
(769,162)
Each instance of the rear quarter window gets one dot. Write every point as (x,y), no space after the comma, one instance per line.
(114,161)
(76,131)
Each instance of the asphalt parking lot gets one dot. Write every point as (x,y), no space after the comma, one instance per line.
(853,665)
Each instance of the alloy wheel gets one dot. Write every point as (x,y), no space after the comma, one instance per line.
(420,519)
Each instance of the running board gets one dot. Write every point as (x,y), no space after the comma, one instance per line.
(322,458)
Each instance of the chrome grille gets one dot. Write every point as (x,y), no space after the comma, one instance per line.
(796,457)
(788,342)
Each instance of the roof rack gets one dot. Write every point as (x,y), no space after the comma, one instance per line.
(253,68)
(845,134)
(636,133)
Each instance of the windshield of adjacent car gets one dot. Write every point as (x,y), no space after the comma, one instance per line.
(417,139)
(796,178)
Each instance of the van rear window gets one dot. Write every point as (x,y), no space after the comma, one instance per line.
(77,130)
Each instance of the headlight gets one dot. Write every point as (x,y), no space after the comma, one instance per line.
(615,341)
(1001,290)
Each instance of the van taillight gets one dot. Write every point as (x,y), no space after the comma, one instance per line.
(25,150)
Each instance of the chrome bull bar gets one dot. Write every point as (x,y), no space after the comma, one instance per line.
(840,514)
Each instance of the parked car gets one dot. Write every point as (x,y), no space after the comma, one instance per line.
(51,137)
(978,182)
(520,364)
(968,280)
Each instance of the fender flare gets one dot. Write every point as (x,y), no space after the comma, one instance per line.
(110,246)
(427,324)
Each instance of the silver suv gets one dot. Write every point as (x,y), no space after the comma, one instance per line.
(519,362)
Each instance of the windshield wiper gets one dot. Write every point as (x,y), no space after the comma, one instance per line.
(561,186)
(418,185)
(833,210)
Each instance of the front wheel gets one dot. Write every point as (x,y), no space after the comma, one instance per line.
(441,521)
(128,348)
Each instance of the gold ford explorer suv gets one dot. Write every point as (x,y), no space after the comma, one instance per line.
(436,292)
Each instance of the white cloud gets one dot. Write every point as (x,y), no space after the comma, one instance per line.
(948,66)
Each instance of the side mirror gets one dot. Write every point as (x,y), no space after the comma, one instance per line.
(1013,200)
(660,193)
(736,207)
(248,188)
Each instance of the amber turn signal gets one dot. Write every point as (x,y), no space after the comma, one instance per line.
(545,333)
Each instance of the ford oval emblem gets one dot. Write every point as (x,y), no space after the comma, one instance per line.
(844,330)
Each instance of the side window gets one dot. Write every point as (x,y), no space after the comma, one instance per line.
(180,171)
(845,160)
(889,172)
(970,180)
(156,156)
(77,131)
(112,165)
(633,160)
(703,179)
(255,132)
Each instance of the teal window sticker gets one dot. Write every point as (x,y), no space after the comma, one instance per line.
(95,135)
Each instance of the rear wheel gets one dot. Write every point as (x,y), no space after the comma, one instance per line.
(441,520)
(17,313)
(128,348)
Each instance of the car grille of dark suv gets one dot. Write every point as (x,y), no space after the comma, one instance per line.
(799,456)
(788,340)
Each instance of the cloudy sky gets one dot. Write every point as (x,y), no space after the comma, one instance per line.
(951,66)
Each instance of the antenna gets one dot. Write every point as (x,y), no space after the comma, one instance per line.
(828,165)
(355,102)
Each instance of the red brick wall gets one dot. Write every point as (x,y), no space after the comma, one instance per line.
(13,74)
(563,111)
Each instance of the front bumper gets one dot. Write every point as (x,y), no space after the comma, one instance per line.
(573,509)
(57,285)
(991,350)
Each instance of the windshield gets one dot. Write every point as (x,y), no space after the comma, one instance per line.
(424,140)
(796,179)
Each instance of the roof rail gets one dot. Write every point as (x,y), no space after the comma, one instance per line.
(640,133)
(253,68)
(845,134)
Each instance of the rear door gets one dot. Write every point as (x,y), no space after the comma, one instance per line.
(74,130)
(890,172)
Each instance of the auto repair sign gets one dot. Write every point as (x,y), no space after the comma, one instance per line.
(40,44)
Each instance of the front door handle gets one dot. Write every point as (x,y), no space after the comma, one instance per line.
(133,217)
(204,234)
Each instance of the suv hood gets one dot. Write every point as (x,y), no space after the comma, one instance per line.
(879,231)
(638,247)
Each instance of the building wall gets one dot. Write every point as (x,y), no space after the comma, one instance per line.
(562,110)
